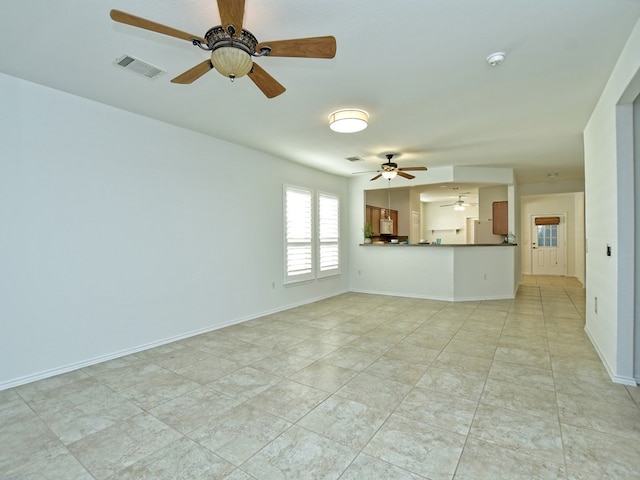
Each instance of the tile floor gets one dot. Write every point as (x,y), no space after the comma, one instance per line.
(353,387)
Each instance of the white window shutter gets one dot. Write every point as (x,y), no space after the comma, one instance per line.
(328,235)
(299,234)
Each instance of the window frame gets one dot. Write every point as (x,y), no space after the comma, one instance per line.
(315,243)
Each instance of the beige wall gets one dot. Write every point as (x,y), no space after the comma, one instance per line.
(442,222)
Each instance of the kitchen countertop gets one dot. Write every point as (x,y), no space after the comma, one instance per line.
(438,245)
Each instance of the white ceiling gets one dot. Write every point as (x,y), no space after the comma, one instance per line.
(417,66)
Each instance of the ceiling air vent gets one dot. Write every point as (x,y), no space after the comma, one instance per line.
(354,159)
(138,66)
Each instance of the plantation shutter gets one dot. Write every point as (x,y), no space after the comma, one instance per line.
(299,234)
(328,234)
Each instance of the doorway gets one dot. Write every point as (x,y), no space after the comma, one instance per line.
(548,245)
(414,236)
(471,229)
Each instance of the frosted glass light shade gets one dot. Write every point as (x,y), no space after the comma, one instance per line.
(231,61)
(348,120)
(389,175)
(458,208)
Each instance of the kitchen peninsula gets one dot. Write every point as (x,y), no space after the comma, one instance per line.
(460,272)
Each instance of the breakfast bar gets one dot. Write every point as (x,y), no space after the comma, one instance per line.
(451,272)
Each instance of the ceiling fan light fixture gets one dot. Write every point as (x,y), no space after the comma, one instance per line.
(348,120)
(389,174)
(231,61)
(459,208)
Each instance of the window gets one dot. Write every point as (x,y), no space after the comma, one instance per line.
(299,235)
(328,235)
(547,235)
(312,242)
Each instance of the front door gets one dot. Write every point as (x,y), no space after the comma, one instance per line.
(548,250)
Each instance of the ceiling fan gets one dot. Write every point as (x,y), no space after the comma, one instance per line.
(232,47)
(390,169)
(459,204)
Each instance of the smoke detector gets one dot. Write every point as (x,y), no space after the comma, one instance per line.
(496,58)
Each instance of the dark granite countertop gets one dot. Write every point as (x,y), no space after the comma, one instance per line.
(438,244)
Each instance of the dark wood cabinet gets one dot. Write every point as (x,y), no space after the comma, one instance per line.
(500,218)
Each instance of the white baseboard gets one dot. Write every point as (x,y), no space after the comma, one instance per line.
(403,295)
(129,351)
(621,379)
(435,297)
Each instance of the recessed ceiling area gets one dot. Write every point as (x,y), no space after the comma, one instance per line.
(432,95)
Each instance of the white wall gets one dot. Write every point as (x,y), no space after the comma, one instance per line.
(120,232)
(607,190)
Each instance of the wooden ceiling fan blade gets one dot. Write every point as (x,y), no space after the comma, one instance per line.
(231,16)
(194,73)
(408,169)
(312,47)
(128,19)
(265,82)
(376,177)
(405,175)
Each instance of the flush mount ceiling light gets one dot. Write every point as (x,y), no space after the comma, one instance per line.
(348,120)
(496,58)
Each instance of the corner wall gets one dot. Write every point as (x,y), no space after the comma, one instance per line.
(120,232)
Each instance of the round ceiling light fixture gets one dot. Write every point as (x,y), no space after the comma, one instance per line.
(349,120)
(496,58)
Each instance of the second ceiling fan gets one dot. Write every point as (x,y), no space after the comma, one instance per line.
(459,204)
(232,47)
(390,169)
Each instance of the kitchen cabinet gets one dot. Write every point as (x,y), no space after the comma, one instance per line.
(374,214)
(373,217)
(500,218)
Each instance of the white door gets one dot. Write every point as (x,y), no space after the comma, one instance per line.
(548,252)
(414,237)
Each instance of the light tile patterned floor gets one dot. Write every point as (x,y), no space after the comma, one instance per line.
(353,387)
